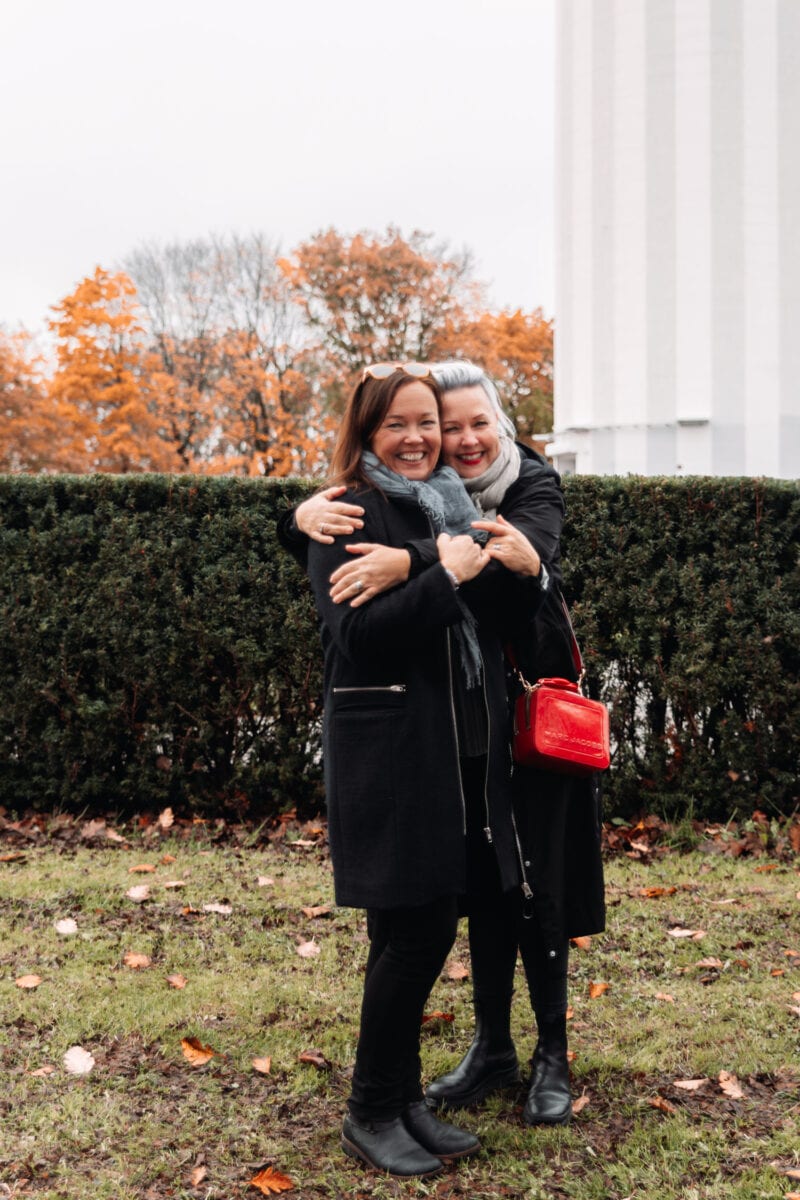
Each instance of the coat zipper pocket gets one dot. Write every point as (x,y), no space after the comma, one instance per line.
(391,687)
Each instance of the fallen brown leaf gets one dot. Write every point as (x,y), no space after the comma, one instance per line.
(651,893)
(791,1172)
(436,1015)
(710,962)
(28,982)
(177,981)
(666,997)
(224,910)
(582,943)
(794,1008)
(14,856)
(597,989)
(141,869)
(78,1061)
(66,926)
(166,859)
(315,1058)
(195,1052)
(174,883)
(139,893)
(166,818)
(689,1085)
(262,1065)
(269,1181)
(316,910)
(766,867)
(137,962)
(265,881)
(730,1085)
(197,1176)
(694,934)
(580,1104)
(308,949)
(47,1069)
(661,1103)
(457,970)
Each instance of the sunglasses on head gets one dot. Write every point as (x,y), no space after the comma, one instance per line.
(384,370)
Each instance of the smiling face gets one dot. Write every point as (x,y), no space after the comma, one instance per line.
(409,439)
(470,436)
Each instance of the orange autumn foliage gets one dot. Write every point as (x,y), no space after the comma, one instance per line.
(28,429)
(99,390)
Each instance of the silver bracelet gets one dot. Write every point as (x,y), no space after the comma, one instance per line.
(451,575)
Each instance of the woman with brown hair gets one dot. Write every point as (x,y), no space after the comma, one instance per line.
(415,746)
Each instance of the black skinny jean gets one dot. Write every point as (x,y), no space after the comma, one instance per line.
(499,924)
(408,948)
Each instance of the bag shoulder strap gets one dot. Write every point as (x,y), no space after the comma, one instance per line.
(577,657)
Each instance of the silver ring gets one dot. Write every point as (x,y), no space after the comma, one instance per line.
(323,528)
(359,585)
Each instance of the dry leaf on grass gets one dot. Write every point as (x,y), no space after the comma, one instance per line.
(197,1176)
(794,1008)
(710,962)
(136,962)
(177,981)
(689,1085)
(174,883)
(66,926)
(308,949)
(265,881)
(141,869)
(314,1058)
(438,1016)
(651,893)
(262,1065)
(139,893)
(166,859)
(316,910)
(660,1103)
(47,1069)
(598,989)
(666,997)
(28,982)
(457,970)
(694,934)
(13,856)
(790,1172)
(580,1104)
(581,943)
(166,818)
(195,1052)
(224,910)
(271,1182)
(78,1061)
(730,1085)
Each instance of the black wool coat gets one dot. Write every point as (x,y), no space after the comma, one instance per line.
(396,816)
(558,817)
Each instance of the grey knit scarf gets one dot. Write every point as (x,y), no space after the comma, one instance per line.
(443,500)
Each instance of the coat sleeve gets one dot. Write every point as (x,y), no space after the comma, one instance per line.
(397,616)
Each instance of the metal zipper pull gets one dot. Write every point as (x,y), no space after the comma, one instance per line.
(488,833)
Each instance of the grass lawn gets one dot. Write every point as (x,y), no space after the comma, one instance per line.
(701,958)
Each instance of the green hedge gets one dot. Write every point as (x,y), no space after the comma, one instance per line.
(159,648)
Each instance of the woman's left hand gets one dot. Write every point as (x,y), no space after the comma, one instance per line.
(375,569)
(510,547)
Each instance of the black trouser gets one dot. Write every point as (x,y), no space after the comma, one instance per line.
(408,948)
(499,924)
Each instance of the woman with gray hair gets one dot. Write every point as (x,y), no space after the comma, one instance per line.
(519,503)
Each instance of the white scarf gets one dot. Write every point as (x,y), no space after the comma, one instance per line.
(488,489)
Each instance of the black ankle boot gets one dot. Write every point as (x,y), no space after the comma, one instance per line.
(549,1101)
(489,1064)
(388,1146)
(446,1141)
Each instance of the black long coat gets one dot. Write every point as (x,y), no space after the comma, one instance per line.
(396,815)
(558,816)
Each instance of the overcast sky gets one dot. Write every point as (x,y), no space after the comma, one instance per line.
(172,119)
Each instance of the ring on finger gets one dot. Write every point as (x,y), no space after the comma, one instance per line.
(359,585)
(323,528)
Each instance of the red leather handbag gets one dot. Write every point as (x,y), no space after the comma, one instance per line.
(556,727)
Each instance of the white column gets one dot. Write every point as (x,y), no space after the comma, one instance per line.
(760,233)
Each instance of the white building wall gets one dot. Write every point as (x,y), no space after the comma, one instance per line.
(678,244)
